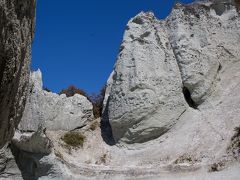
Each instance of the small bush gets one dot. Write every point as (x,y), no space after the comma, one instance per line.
(237,4)
(103,158)
(235,144)
(94,125)
(97,101)
(72,90)
(217,167)
(58,154)
(74,139)
(237,130)
(186,159)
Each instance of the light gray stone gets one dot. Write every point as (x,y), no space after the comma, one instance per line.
(146,84)
(203,43)
(8,166)
(36,142)
(166,66)
(34,154)
(53,111)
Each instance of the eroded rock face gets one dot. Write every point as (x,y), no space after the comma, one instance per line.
(146,83)
(36,142)
(165,67)
(53,111)
(33,152)
(44,112)
(17,21)
(203,43)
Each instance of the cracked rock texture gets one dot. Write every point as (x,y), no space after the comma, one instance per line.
(53,111)
(166,66)
(17,21)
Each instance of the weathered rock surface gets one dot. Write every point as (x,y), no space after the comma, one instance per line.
(53,111)
(17,27)
(36,142)
(17,21)
(165,67)
(34,156)
(146,83)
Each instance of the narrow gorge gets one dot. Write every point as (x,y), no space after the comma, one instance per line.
(171,107)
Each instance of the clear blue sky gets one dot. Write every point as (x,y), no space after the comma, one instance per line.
(77,41)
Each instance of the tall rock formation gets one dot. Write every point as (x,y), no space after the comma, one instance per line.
(167,67)
(17,21)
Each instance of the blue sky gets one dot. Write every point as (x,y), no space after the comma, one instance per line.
(77,41)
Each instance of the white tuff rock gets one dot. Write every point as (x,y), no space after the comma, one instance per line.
(166,69)
(53,111)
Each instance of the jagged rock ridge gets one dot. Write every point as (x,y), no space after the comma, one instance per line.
(53,111)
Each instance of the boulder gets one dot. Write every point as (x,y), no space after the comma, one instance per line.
(34,154)
(36,142)
(165,67)
(53,111)
(146,86)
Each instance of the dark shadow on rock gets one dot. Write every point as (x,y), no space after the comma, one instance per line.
(188,98)
(106,129)
(29,164)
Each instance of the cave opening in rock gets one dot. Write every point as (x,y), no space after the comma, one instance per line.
(188,98)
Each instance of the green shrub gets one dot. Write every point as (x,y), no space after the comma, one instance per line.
(74,139)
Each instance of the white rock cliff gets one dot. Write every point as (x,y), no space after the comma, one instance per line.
(167,69)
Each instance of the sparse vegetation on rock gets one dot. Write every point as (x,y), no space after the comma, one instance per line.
(235,144)
(186,159)
(217,167)
(103,158)
(74,139)
(94,125)
(148,129)
(97,101)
